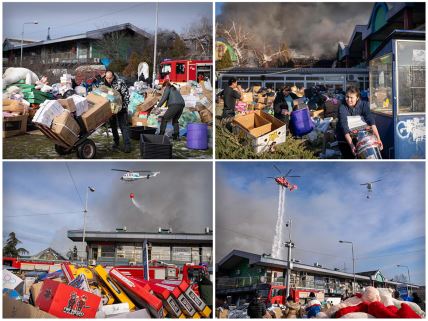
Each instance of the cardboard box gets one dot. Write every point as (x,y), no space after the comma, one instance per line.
(13,106)
(140,314)
(185,90)
(113,309)
(140,295)
(168,300)
(247,97)
(64,301)
(99,112)
(18,309)
(68,104)
(275,136)
(148,103)
(35,291)
(67,127)
(11,281)
(14,126)
(206,115)
(137,121)
(28,282)
(256,88)
(47,112)
(254,124)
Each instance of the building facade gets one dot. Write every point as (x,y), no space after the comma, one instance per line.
(126,248)
(240,273)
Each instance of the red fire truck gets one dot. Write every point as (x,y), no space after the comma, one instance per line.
(31,264)
(275,294)
(185,70)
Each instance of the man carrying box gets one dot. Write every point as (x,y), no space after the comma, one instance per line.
(121,118)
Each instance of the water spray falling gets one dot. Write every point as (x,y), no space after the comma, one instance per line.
(277,248)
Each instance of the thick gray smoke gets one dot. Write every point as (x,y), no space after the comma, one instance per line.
(312,29)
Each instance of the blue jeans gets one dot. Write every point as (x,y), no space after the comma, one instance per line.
(122,119)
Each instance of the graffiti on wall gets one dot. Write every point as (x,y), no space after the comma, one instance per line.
(412,130)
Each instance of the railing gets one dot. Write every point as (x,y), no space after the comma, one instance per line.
(238,282)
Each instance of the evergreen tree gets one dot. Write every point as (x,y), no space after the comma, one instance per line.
(10,249)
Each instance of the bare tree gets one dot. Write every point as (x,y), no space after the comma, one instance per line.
(238,39)
(400,278)
(199,37)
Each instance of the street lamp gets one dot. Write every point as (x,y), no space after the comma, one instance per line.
(84,219)
(22,37)
(353,262)
(408,273)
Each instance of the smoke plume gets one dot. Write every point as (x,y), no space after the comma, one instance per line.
(312,29)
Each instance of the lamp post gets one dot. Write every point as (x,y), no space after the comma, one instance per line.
(22,37)
(353,263)
(84,220)
(408,273)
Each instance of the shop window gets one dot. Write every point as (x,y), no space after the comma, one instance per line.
(411,76)
(381,84)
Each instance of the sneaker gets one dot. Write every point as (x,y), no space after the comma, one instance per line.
(176,138)
(127,149)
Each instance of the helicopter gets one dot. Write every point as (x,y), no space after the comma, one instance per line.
(131,176)
(370,186)
(283,181)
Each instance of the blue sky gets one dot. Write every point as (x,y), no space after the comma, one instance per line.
(67,19)
(329,205)
(40,201)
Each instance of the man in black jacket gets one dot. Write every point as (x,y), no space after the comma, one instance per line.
(230,95)
(121,118)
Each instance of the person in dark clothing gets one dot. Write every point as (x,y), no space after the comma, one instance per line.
(418,301)
(353,106)
(230,95)
(175,103)
(121,118)
(256,309)
(283,105)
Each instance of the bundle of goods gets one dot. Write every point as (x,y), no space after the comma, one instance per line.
(367,146)
(113,97)
(373,303)
(64,120)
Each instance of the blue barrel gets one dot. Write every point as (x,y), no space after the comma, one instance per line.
(197,136)
(301,122)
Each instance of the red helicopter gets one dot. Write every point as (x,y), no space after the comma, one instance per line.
(283,181)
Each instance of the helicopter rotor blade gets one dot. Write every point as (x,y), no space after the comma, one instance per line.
(286,175)
(293,176)
(376,181)
(277,169)
(270,177)
(120,170)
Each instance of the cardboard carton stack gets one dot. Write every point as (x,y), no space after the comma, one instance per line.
(15,116)
(59,119)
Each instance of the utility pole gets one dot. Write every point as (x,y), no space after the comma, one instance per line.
(155,46)
(289,244)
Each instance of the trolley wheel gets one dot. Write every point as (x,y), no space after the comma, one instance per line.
(87,149)
(61,150)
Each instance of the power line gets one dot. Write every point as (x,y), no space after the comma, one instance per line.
(74,183)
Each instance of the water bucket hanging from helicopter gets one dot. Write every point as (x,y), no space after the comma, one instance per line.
(131,196)
(367,146)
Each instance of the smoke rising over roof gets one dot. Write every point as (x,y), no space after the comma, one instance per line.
(309,28)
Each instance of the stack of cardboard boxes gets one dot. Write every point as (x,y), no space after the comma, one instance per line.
(68,118)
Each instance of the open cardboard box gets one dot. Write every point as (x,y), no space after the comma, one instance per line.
(275,136)
(254,124)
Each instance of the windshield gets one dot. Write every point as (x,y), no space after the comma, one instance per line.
(166,68)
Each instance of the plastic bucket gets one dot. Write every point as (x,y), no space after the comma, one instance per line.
(301,122)
(197,136)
